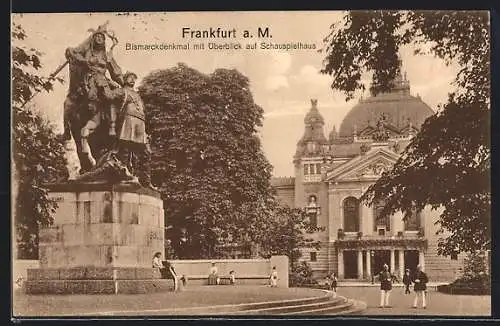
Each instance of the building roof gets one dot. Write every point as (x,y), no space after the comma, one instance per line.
(346,150)
(313,133)
(313,117)
(282,181)
(399,108)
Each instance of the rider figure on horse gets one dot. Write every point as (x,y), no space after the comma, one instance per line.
(90,61)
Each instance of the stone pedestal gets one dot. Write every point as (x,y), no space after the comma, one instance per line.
(103,240)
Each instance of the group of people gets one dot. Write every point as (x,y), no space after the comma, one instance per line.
(214,279)
(419,279)
(213,276)
(332,283)
(168,272)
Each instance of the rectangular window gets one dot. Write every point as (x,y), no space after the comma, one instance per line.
(412,221)
(313,256)
(306,169)
(454,256)
(318,168)
(380,220)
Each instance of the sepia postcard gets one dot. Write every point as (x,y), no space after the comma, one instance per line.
(252,163)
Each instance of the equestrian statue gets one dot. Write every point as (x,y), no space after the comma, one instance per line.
(104,115)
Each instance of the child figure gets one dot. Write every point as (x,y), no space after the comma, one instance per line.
(232,278)
(333,285)
(407,281)
(274,278)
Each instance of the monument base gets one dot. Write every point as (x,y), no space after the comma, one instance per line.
(96,280)
(102,241)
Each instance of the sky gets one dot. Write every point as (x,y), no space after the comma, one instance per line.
(282,82)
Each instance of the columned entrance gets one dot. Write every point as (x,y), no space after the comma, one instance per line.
(362,259)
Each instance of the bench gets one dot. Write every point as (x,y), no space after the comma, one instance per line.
(225,280)
(240,279)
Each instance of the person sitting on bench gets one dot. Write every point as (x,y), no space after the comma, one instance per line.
(232,278)
(213,277)
(157,263)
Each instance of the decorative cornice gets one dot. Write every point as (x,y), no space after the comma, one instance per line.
(381,243)
(87,186)
(371,159)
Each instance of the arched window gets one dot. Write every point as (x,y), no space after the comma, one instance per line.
(380,220)
(412,221)
(351,214)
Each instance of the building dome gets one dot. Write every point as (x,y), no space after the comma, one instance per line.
(398,106)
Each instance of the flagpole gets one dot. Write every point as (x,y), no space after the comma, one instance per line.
(51,77)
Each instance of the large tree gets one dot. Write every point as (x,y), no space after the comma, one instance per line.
(447,165)
(287,232)
(206,157)
(38,154)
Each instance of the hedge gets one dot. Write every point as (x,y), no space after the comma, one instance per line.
(478,286)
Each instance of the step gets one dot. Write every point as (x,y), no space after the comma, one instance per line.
(247,307)
(357,307)
(328,309)
(288,309)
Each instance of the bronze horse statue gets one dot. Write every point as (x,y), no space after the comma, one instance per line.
(88,104)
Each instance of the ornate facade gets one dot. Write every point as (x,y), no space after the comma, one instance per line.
(332,174)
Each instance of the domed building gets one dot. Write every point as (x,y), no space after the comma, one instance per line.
(332,173)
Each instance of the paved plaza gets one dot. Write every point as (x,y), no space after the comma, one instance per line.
(438,304)
(152,303)
(163,304)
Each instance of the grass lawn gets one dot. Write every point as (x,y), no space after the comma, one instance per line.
(125,304)
(437,303)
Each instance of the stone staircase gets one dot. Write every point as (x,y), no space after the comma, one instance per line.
(325,304)
(440,268)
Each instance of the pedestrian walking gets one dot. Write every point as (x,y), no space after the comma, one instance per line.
(385,278)
(273,279)
(420,280)
(407,281)
(333,285)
